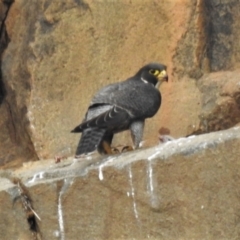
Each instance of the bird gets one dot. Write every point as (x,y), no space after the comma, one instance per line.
(121,106)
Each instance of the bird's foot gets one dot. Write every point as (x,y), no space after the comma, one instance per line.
(127,149)
(114,150)
(107,149)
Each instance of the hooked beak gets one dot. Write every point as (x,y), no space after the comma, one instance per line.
(163,76)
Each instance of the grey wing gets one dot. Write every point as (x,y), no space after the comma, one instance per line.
(96,110)
(108,93)
(115,118)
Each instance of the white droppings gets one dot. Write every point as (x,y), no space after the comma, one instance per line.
(67,183)
(179,139)
(56,233)
(154,155)
(154,199)
(204,145)
(36,176)
(128,194)
(133,192)
(141,143)
(192,136)
(109,160)
(150,177)
(60,217)
(100,175)
(202,207)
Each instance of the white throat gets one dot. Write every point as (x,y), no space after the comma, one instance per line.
(158,84)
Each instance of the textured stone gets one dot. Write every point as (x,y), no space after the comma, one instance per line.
(223,34)
(184,189)
(68,51)
(61,53)
(220,104)
(11,150)
(55,55)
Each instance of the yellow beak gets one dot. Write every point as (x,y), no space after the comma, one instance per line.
(162,76)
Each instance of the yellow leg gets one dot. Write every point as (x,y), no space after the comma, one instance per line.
(108,149)
(127,149)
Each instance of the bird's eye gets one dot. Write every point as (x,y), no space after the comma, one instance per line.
(154,72)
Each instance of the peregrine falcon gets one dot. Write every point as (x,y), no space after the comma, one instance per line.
(119,107)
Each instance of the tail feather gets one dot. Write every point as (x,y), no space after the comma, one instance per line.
(76,130)
(89,140)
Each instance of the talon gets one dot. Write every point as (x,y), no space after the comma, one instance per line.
(127,149)
(115,150)
(108,149)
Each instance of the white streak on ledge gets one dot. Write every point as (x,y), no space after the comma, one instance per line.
(151,184)
(109,160)
(36,177)
(190,145)
(60,217)
(100,175)
(132,192)
(153,156)
(67,182)
(150,177)
(56,233)
(192,136)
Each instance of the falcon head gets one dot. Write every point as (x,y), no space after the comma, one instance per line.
(154,73)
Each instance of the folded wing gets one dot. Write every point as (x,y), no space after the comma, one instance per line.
(111,119)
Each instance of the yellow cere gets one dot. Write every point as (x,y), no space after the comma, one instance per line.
(163,73)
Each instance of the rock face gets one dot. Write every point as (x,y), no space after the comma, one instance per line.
(220,101)
(184,189)
(55,55)
(58,54)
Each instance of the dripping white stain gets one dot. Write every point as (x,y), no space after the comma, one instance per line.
(154,198)
(132,192)
(67,183)
(36,176)
(109,160)
(150,177)
(100,175)
(60,217)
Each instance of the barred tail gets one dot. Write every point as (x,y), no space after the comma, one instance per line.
(89,140)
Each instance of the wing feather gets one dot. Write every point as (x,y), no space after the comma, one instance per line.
(108,120)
